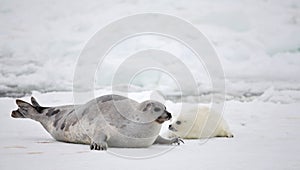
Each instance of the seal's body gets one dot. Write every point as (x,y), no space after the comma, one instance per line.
(109,120)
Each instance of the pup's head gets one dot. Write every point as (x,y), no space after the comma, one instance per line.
(182,125)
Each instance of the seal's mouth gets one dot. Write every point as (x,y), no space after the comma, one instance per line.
(164,117)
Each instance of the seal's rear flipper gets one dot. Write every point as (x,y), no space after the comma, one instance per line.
(34,102)
(17,114)
(37,106)
(24,111)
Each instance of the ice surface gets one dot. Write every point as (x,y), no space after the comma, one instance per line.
(266,136)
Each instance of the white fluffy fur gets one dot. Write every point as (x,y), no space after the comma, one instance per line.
(197,123)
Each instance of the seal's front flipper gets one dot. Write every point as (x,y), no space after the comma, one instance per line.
(102,146)
(161,140)
(99,142)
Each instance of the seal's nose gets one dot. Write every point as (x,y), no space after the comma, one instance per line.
(169,115)
(170,126)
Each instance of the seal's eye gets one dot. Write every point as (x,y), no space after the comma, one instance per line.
(157,109)
(178,122)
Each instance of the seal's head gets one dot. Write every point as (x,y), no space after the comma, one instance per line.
(156,110)
(183,124)
(174,126)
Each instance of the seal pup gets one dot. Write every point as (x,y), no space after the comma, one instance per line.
(199,123)
(106,121)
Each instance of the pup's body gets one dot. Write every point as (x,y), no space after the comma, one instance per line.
(199,123)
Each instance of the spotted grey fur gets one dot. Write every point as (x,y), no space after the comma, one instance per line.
(107,121)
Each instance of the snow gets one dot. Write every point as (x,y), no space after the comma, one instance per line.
(258,44)
(256,41)
(266,136)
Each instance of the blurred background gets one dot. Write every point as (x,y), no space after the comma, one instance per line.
(257,41)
